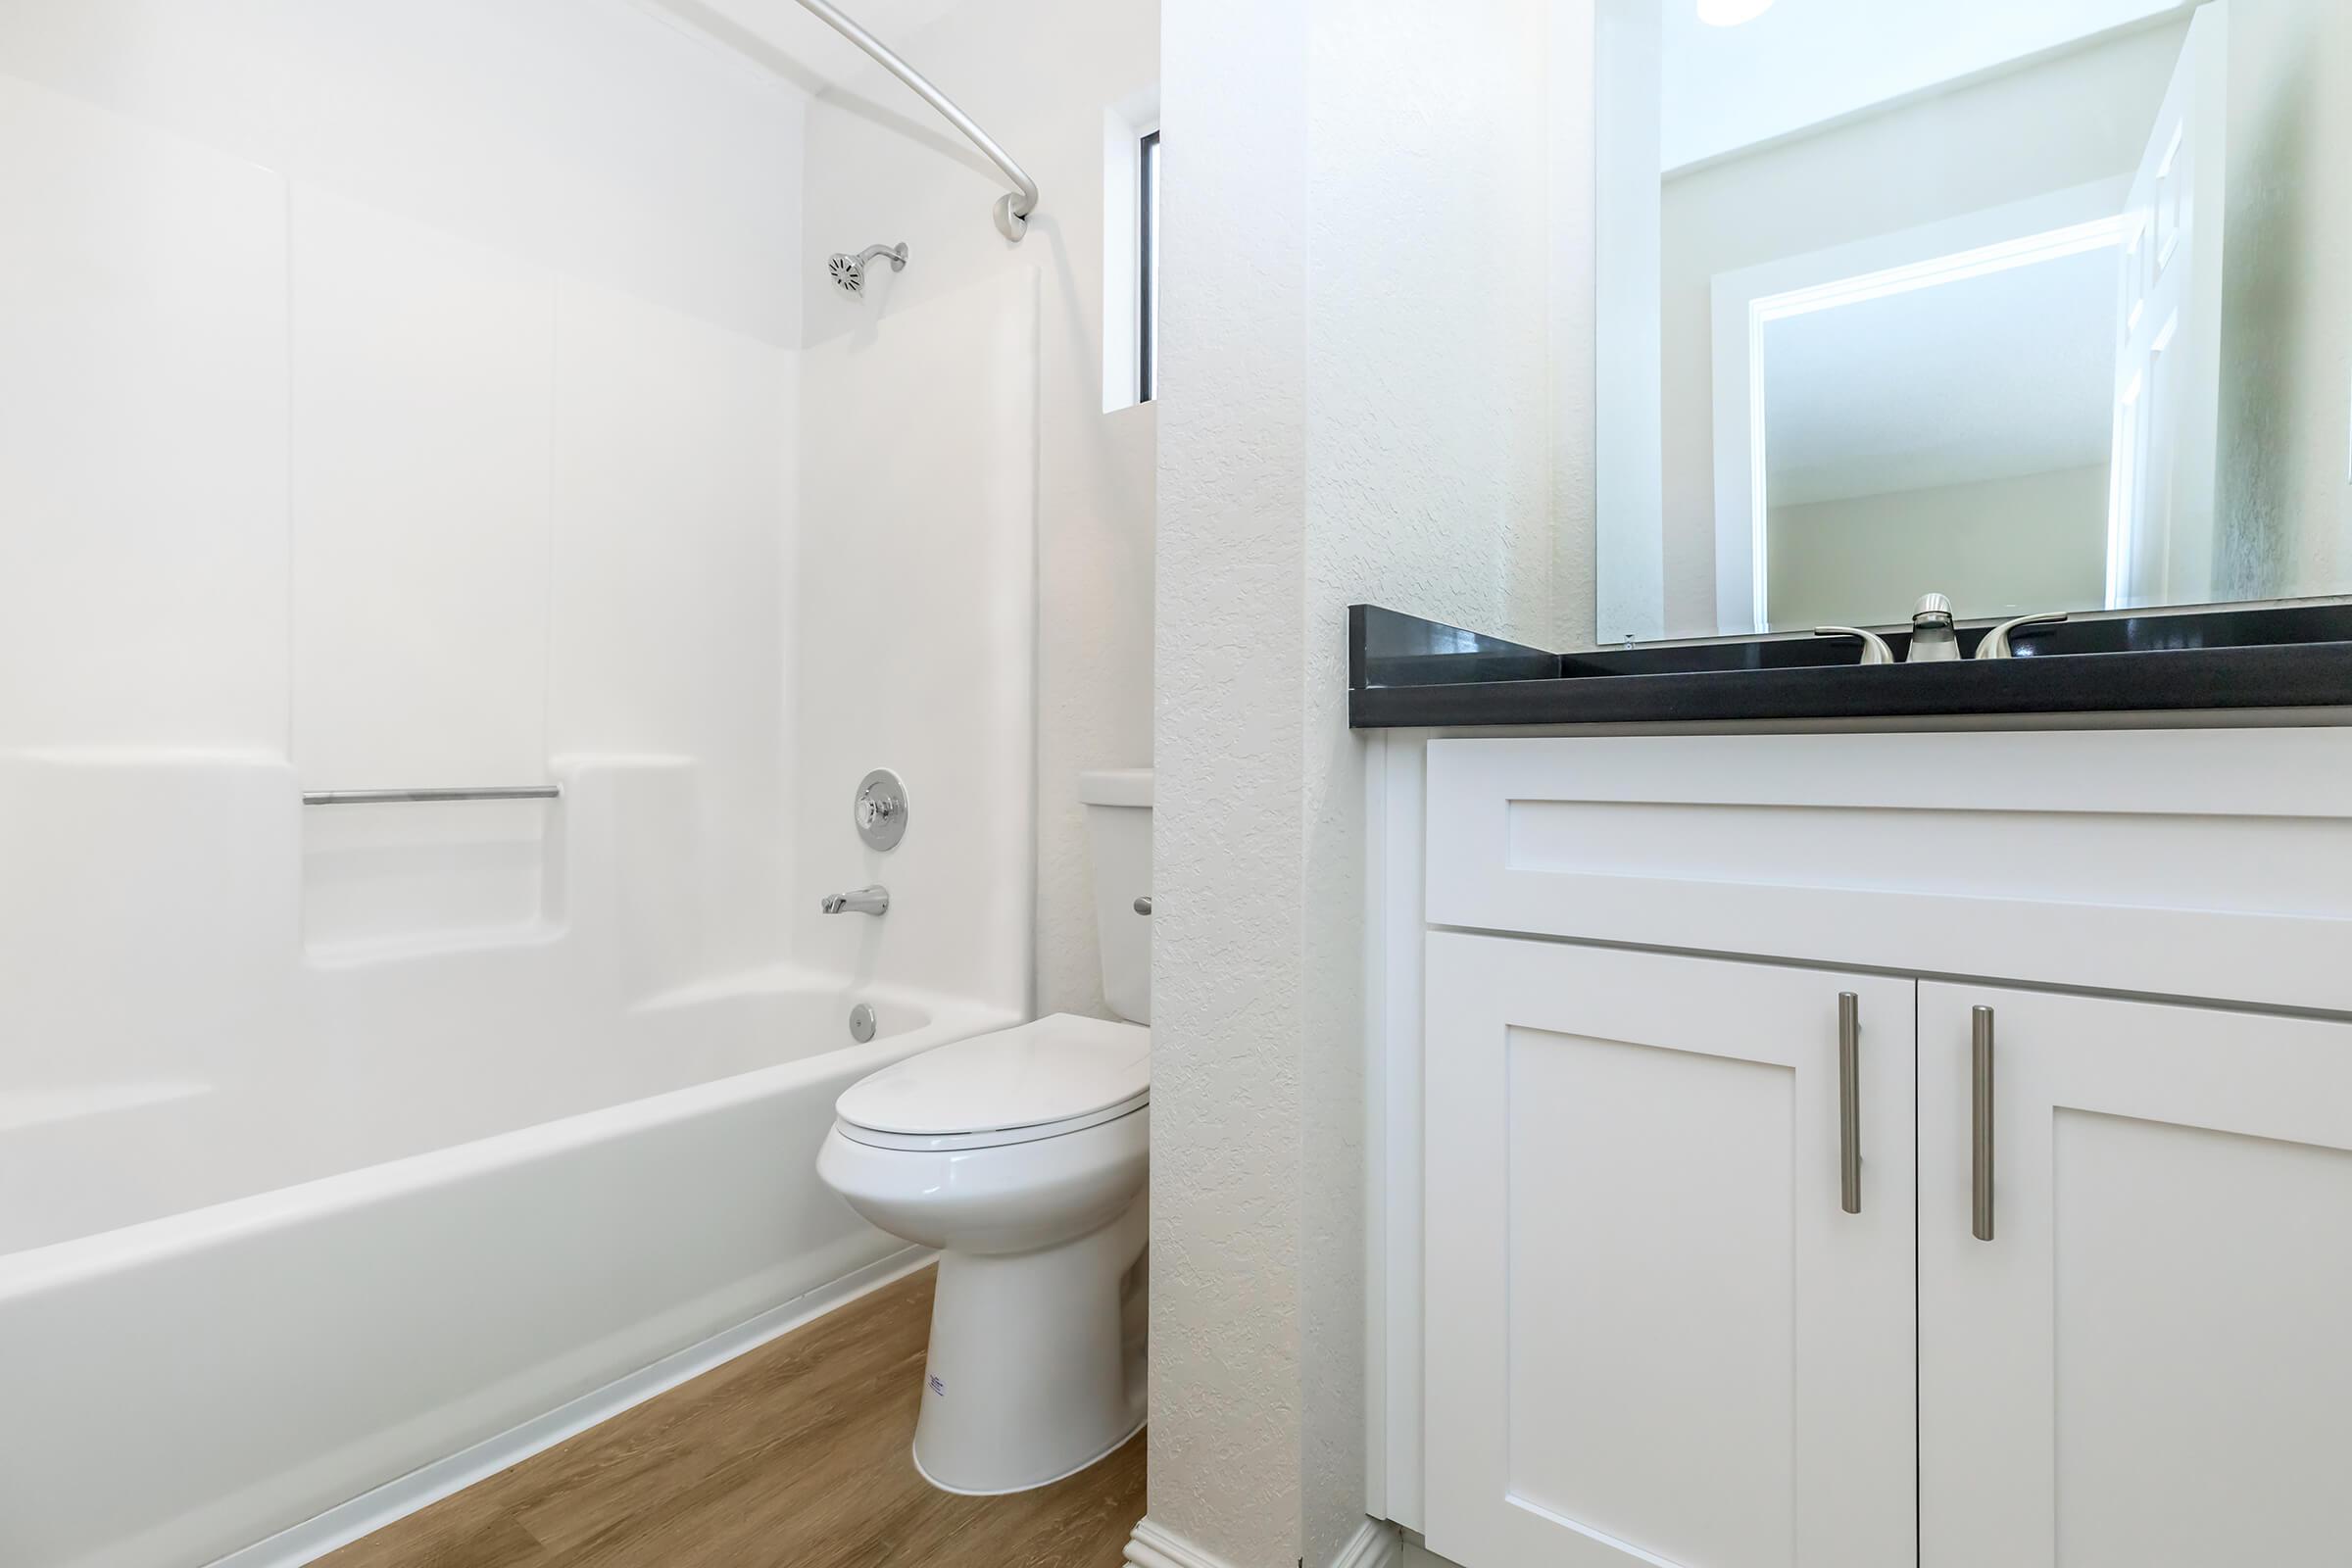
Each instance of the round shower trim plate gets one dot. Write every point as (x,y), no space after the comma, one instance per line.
(880,810)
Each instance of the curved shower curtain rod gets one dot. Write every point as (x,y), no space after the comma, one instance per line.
(1013,206)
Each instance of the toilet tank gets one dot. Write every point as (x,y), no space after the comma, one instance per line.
(1118,833)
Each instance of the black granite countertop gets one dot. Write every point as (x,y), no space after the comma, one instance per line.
(1405,672)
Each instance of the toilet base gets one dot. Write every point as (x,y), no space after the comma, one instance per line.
(1035,1369)
(1087,1463)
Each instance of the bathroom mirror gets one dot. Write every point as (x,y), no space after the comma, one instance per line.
(2038,304)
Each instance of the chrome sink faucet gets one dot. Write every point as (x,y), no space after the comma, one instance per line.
(1998,641)
(1933,638)
(1874,647)
(866,901)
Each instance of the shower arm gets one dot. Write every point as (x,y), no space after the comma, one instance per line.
(1013,206)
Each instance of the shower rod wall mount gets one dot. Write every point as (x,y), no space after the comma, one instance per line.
(1014,205)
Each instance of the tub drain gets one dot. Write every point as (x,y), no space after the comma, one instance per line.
(861,1023)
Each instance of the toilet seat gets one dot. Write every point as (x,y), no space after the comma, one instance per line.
(1045,1079)
(998,1138)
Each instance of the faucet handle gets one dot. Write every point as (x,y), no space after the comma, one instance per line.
(1995,644)
(1874,647)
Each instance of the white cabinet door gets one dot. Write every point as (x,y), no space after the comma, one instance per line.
(2149,1365)
(1653,1334)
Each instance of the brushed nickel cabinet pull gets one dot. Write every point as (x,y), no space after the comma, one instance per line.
(1849,1101)
(1980,1063)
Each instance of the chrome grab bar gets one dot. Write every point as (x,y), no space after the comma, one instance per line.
(473,792)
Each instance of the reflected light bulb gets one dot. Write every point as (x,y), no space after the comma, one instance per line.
(1731,12)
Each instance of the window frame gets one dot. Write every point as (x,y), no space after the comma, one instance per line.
(1147,313)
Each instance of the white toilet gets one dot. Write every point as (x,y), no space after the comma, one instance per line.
(1022,1155)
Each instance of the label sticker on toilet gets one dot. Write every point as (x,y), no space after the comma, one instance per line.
(939,1388)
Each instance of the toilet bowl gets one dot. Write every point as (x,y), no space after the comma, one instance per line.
(1035,1368)
(1022,1157)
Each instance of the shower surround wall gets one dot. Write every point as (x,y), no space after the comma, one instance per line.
(398,395)
(916,631)
(377,405)
(1043,78)
(413,395)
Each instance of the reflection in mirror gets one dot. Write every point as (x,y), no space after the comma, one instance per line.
(1941,426)
(2038,304)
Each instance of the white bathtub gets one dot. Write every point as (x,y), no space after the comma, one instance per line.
(405,1272)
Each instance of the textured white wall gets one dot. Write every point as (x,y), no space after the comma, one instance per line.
(2286,352)
(881,168)
(1428,469)
(1228,1008)
(1358,405)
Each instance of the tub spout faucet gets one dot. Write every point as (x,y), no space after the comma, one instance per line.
(866,901)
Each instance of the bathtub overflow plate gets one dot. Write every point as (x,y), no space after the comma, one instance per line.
(881,809)
(861,1023)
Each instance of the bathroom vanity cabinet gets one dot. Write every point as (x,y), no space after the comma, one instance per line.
(1846,1151)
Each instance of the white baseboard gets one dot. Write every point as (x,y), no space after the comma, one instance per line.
(1375,1546)
(1153,1548)
(371,1511)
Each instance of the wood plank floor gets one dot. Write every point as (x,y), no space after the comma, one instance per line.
(795,1455)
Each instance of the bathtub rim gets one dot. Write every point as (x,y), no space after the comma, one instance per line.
(100,1253)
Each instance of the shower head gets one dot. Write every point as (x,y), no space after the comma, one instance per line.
(849,271)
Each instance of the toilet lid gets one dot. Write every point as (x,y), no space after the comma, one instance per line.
(1061,1068)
